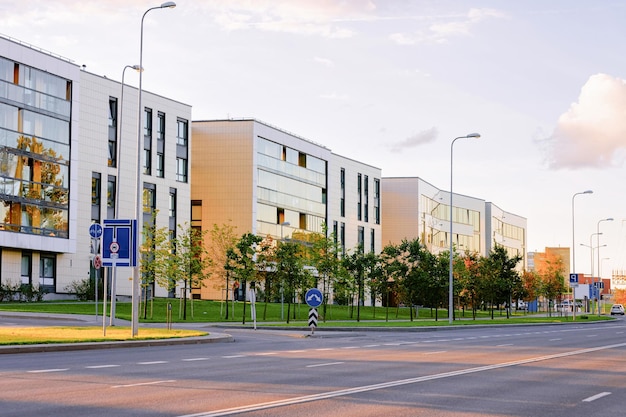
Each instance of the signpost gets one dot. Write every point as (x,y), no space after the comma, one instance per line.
(95,231)
(314,299)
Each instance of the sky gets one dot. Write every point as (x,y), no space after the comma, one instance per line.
(391,83)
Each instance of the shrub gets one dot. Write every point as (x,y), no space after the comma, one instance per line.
(83,289)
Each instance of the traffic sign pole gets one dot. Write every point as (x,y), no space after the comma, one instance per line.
(313,319)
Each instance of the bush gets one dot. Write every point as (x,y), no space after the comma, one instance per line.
(20,292)
(83,289)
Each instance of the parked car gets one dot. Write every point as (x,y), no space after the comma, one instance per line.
(617,309)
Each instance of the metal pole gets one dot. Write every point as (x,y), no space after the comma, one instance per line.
(573,271)
(451,276)
(139,190)
(609,219)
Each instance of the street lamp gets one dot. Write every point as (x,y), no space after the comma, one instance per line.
(139,201)
(608,219)
(117,184)
(450,277)
(573,271)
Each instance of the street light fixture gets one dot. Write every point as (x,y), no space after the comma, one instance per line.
(573,271)
(608,219)
(451,277)
(139,201)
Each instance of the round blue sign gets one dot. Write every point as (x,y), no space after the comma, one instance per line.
(95,230)
(314,297)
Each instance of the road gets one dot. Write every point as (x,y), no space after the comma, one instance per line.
(571,370)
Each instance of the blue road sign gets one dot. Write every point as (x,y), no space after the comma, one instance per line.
(95,230)
(314,297)
(119,243)
(573,278)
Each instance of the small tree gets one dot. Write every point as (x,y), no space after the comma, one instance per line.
(290,271)
(242,260)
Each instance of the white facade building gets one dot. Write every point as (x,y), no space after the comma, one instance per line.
(59,138)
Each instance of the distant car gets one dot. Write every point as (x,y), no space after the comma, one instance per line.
(522,305)
(617,309)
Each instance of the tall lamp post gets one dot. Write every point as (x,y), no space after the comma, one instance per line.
(139,201)
(117,184)
(573,271)
(608,219)
(451,276)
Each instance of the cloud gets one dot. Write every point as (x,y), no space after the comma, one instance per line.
(420,138)
(321,17)
(592,132)
(334,96)
(444,27)
(324,61)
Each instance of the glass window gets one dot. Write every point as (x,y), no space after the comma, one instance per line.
(183,133)
(149,198)
(181,169)
(47,272)
(27,268)
(172,203)
(95,189)
(111,190)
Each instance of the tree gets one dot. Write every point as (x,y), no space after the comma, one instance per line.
(243,262)
(290,271)
(552,279)
(188,260)
(325,251)
(499,277)
(221,240)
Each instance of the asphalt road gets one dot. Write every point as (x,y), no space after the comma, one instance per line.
(571,370)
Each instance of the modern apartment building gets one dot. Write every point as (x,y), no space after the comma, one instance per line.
(413,208)
(269,182)
(68,158)
(354,211)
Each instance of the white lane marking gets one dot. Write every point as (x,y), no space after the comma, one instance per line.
(554,340)
(324,364)
(401,382)
(144,383)
(233,356)
(435,352)
(41,371)
(195,359)
(324,349)
(151,363)
(101,366)
(266,353)
(369,346)
(296,351)
(596,397)
(505,344)
(351,347)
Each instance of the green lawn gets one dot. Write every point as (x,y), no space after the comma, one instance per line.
(214,311)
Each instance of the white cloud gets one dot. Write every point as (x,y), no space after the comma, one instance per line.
(324,61)
(322,17)
(420,138)
(335,96)
(592,133)
(444,27)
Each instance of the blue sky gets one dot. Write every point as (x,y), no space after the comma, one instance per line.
(391,83)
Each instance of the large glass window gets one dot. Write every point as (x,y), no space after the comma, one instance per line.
(160,162)
(34,151)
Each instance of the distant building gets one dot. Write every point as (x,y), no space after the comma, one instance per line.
(413,208)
